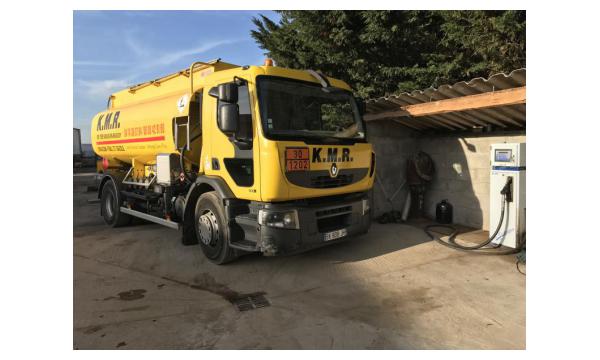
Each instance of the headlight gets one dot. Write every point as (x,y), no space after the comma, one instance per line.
(365,206)
(279,219)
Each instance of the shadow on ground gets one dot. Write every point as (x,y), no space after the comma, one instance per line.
(137,287)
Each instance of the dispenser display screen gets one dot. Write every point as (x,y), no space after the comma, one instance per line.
(503,155)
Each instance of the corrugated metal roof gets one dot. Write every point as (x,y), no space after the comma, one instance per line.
(509,117)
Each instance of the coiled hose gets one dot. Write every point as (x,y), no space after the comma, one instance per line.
(478,248)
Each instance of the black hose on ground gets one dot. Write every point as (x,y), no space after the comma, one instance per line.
(478,248)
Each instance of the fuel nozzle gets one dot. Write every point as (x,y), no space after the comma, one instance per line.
(507,189)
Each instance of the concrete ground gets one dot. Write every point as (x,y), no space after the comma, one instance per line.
(137,287)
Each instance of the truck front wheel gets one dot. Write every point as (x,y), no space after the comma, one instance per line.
(111,208)
(212,231)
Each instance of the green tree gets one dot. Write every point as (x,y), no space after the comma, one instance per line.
(383,52)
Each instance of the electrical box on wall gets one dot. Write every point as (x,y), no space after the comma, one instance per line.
(508,164)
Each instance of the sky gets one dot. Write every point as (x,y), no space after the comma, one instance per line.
(115,49)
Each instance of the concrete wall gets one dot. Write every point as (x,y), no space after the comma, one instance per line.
(462,174)
(393,144)
(462,170)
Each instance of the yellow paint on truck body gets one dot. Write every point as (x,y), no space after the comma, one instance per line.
(144,124)
(144,128)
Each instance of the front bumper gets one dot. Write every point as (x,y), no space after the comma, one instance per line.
(315,221)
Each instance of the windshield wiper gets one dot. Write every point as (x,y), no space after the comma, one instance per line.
(312,134)
(329,138)
(325,85)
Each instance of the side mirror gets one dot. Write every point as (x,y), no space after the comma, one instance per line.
(225,92)
(362,105)
(229,118)
(228,93)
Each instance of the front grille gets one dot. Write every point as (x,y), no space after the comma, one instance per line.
(333,223)
(333,219)
(321,179)
(324,182)
(334,211)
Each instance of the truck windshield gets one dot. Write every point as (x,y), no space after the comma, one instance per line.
(296,109)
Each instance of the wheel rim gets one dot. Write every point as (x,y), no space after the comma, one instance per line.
(109,206)
(208,228)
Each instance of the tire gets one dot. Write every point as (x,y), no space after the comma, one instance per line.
(212,231)
(110,207)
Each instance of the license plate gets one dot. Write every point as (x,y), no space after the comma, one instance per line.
(332,235)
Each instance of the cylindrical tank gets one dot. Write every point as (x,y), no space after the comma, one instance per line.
(139,131)
(139,121)
(443,212)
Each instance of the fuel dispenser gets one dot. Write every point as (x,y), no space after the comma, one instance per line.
(507,191)
(507,204)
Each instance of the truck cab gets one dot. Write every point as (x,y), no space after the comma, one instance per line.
(240,159)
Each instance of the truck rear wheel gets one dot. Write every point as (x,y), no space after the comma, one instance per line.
(111,208)
(212,231)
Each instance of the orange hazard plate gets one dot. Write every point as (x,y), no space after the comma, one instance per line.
(296,159)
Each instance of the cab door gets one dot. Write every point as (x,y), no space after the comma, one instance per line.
(233,155)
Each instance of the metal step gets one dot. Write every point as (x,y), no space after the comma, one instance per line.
(244,245)
(152,218)
(247,220)
(248,223)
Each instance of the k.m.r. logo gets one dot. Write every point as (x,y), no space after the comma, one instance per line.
(332,155)
(108,121)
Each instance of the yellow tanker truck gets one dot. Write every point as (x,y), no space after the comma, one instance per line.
(239,159)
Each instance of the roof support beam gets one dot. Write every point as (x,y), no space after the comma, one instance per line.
(470,102)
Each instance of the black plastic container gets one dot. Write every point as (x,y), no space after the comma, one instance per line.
(443,212)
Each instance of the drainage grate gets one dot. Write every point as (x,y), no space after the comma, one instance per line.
(251,301)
